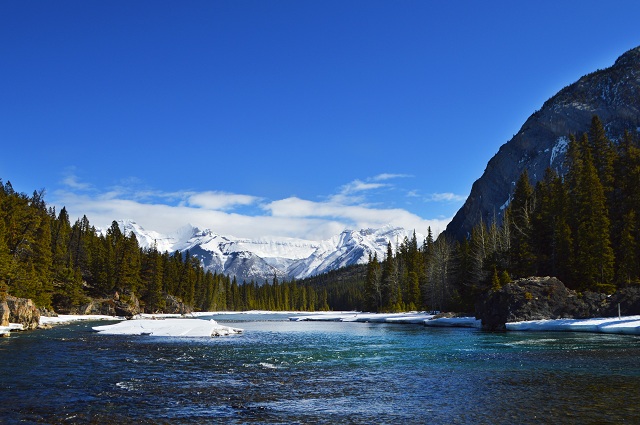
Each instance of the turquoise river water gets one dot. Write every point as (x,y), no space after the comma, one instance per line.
(284,372)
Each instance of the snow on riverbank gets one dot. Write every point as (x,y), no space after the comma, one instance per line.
(46,321)
(454,322)
(168,327)
(625,325)
(415,318)
(629,325)
(148,324)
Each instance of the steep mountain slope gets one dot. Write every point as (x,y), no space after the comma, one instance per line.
(262,259)
(613,94)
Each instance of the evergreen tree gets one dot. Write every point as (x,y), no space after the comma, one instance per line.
(628,268)
(373,284)
(389,288)
(604,156)
(520,212)
(593,254)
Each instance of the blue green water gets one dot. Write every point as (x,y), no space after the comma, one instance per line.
(286,372)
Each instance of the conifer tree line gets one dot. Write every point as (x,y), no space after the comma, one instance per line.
(582,227)
(58,264)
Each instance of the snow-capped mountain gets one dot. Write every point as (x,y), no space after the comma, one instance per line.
(260,259)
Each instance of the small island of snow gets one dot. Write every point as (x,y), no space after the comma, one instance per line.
(168,328)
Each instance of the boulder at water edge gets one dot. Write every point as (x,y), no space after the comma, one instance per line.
(537,298)
(24,312)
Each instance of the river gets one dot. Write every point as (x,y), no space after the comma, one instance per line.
(285,372)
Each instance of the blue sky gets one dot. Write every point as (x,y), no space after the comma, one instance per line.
(281,118)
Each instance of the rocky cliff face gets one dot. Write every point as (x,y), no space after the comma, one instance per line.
(613,94)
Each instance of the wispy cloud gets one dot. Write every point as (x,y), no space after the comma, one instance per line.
(220,200)
(72,181)
(445,197)
(388,176)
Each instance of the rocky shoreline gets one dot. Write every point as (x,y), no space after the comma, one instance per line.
(22,314)
(547,298)
(523,300)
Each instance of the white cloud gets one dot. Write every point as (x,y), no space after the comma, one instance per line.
(446,197)
(71,180)
(166,212)
(220,200)
(388,176)
(353,216)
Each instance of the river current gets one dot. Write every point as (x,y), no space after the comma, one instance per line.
(284,372)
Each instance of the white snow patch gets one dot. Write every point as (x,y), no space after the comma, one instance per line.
(68,318)
(624,325)
(410,318)
(454,322)
(5,330)
(168,328)
(559,148)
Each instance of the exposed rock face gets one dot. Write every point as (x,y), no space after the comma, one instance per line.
(103,306)
(23,311)
(123,305)
(613,94)
(537,298)
(4,314)
(127,305)
(175,306)
(629,300)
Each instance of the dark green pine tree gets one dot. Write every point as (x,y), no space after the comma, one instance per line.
(60,240)
(372,286)
(625,204)
(543,224)
(68,277)
(520,211)
(129,272)
(628,268)
(562,240)
(151,276)
(593,254)
(389,281)
(604,156)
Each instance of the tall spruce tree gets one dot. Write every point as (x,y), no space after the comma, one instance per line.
(521,211)
(593,254)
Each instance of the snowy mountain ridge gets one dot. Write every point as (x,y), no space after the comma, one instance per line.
(262,259)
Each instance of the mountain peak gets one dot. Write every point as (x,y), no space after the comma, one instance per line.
(260,259)
(630,57)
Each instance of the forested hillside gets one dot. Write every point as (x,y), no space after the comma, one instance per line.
(61,265)
(582,227)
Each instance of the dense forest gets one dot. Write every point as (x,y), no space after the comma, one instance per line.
(582,227)
(59,265)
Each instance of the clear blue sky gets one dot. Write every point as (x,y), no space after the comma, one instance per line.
(290,118)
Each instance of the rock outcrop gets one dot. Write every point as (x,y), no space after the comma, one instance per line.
(629,301)
(175,306)
(24,312)
(613,94)
(540,298)
(4,314)
(128,305)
